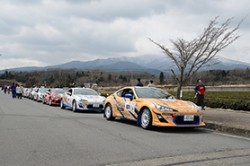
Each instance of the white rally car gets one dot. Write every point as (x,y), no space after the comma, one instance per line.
(82,99)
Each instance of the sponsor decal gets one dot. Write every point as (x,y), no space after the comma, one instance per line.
(130,107)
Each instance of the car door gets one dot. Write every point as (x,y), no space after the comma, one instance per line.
(126,105)
(46,96)
(68,97)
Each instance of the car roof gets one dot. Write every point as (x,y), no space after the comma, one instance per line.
(82,88)
(137,87)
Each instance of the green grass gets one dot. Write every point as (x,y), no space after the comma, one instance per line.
(237,100)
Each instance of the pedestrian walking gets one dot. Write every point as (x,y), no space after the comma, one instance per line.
(13,90)
(8,89)
(5,89)
(200,93)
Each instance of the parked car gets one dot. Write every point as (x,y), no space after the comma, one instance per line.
(150,106)
(82,99)
(32,93)
(38,95)
(26,92)
(53,96)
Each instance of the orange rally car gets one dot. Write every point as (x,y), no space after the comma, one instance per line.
(150,106)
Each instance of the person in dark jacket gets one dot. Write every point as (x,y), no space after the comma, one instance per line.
(13,90)
(139,83)
(200,93)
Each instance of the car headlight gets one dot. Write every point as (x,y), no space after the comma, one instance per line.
(54,97)
(164,108)
(198,108)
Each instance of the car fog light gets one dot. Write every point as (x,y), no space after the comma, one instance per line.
(160,117)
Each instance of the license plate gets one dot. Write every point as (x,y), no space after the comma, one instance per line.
(188,117)
(96,105)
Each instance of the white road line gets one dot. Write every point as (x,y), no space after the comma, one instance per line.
(228,135)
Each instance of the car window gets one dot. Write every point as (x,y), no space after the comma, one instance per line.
(85,92)
(127,91)
(70,91)
(58,91)
(43,90)
(152,93)
(119,93)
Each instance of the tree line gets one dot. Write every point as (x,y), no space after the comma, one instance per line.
(68,78)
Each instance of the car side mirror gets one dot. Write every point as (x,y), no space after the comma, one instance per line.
(68,93)
(129,96)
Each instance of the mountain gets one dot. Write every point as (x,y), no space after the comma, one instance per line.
(229,64)
(153,64)
(162,63)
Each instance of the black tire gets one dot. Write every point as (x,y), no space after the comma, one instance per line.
(108,112)
(43,101)
(146,119)
(62,104)
(74,106)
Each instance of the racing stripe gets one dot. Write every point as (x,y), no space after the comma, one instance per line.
(136,111)
(118,108)
(123,116)
(132,115)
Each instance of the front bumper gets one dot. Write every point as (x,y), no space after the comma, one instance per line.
(90,107)
(177,119)
(56,101)
(39,98)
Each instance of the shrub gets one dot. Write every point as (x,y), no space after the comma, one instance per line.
(229,100)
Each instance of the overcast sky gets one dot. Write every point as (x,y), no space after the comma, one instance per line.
(48,32)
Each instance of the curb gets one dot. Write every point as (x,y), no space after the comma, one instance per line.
(227,129)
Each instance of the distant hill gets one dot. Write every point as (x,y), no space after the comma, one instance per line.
(153,64)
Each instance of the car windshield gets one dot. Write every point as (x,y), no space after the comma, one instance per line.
(42,90)
(58,91)
(152,93)
(85,92)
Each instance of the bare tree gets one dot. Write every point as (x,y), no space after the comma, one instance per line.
(190,56)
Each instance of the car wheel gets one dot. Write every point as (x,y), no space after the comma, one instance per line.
(74,106)
(62,104)
(146,119)
(108,112)
(50,102)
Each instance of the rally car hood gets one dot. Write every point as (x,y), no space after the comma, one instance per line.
(91,98)
(176,105)
(57,95)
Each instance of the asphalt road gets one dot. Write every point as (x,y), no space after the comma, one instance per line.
(33,134)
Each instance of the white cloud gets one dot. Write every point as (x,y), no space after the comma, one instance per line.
(57,31)
(17,62)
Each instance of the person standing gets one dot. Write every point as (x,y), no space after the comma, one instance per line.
(200,93)
(19,91)
(139,83)
(5,89)
(151,83)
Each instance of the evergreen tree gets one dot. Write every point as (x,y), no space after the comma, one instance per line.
(161,78)
(110,77)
